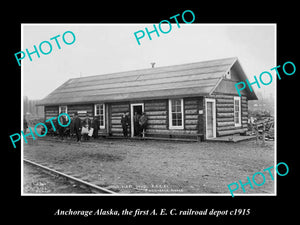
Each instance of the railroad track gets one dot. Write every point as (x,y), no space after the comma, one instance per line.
(93,188)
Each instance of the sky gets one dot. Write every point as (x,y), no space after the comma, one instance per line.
(107,48)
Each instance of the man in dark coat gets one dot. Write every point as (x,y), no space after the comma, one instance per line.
(125,123)
(61,130)
(136,119)
(143,123)
(95,126)
(77,126)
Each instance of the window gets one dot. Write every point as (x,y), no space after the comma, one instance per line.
(63,109)
(100,111)
(176,113)
(237,111)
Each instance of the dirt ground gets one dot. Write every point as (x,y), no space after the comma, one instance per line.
(158,167)
(37,182)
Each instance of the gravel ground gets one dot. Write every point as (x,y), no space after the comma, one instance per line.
(38,182)
(134,166)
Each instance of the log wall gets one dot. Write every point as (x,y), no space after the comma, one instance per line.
(115,112)
(225,115)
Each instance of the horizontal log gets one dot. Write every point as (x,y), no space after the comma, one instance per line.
(116,129)
(224,119)
(155,108)
(224,97)
(187,117)
(81,107)
(160,113)
(157,122)
(224,114)
(116,121)
(120,110)
(154,104)
(120,105)
(190,107)
(226,128)
(229,132)
(222,124)
(171,132)
(224,110)
(224,101)
(191,127)
(190,102)
(150,126)
(225,105)
(153,117)
(191,121)
(245,118)
(191,111)
(119,114)
(244,113)
(244,98)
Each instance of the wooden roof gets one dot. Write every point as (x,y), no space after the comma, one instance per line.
(192,79)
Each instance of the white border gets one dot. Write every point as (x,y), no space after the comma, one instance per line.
(176,194)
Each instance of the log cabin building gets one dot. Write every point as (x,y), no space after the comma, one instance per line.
(189,100)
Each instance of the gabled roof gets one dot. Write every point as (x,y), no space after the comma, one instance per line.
(193,79)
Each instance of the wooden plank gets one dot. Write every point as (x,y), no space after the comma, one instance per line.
(226,128)
(156,113)
(171,132)
(229,132)
(191,127)
(224,114)
(224,119)
(224,110)
(151,117)
(191,121)
(155,104)
(157,122)
(156,126)
(193,117)
(190,107)
(191,111)
(222,124)
(155,108)
(224,101)
(118,110)
(120,105)
(225,105)
(224,96)
(190,101)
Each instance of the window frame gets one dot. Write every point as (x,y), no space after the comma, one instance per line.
(237,98)
(95,114)
(171,126)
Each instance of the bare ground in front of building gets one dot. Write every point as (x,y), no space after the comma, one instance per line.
(135,166)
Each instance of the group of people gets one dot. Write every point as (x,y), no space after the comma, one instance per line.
(85,128)
(139,123)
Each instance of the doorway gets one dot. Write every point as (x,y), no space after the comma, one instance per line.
(210,105)
(136,109)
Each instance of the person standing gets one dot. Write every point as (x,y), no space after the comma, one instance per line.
(136,124)
(86,124)
(61,130)
(95,126)
(77,126)
(125,124)
(143,123)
